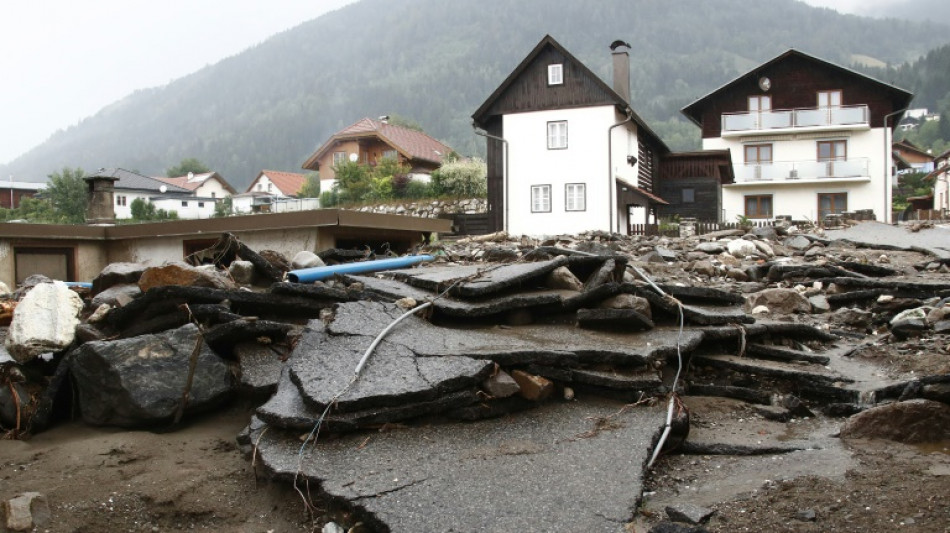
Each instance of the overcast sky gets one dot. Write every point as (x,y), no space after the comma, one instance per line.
(64,60)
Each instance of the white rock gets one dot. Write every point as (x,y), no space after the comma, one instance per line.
(740,248)
(306,259)
(760,310)
(45,320)
(99,313)
(4,289)
(764,247)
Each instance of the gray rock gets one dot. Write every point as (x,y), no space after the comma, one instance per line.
(117,274)
(704,268)
(122,292)
(764,248)
(306,259)
(918,314)
(242,271)
(139,381)
(782,301)
(766,232)
(938,392)
(667,254)
(689,513)
(798,242)
(563,278)
(711,247)
(501,385)
(182,274)
(942,326)
(806,515)
(45,320)
(911,422)
(737,274)
(819,303)
(857,318)
(628,301)
(25,512)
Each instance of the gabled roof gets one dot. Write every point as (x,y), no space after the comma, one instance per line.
(900,97)
(411,144)
(288,183)
(904,145)
(133,180)
(193,181)
(482,114)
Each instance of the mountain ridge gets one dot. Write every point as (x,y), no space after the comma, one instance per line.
(435,62)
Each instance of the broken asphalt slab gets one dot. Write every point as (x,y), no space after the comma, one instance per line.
(573,466)
(477,280)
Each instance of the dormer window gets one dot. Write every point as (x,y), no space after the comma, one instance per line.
(556,74)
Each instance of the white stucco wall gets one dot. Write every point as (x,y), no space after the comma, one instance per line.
(212,188)
(799,198)
(125,211)
(188,207)
(583,161)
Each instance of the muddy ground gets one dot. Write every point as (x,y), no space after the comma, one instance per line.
(195,478)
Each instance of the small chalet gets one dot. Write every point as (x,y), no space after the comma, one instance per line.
(274,191)
(807,138)
(909,158)
(369,141)
(206,184)
(13,192)
(131,185)
(566,151)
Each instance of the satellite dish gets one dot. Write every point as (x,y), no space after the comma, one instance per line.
(163,189)
(354,158)
(764,83)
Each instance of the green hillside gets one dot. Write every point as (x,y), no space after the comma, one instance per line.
(434,62)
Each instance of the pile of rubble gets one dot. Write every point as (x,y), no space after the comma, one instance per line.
(584,337)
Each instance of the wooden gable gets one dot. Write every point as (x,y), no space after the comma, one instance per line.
(527,89)
(795,79)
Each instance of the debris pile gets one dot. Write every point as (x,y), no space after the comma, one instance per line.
(582,336)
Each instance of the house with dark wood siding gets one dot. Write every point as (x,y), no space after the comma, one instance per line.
(566,151)
(807,138)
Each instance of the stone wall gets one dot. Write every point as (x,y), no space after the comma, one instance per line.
(429,208)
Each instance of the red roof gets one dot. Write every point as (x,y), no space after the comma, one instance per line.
(411,144)
(288,183)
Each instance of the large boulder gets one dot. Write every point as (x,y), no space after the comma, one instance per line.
(781,301)
(44,321)
(117,274)
(184,275)
(139,381)
(563,278)
(117,295)
(911,422)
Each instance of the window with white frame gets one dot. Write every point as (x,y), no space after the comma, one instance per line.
(557,135)
(540,198)
(556,74)
(391,154)
(575,197)
(339,158)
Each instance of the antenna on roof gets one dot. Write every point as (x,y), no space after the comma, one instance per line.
(384,119)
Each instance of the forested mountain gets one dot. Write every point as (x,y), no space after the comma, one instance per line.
(434,62)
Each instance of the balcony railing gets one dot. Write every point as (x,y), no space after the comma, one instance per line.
(855,115)
(802,170)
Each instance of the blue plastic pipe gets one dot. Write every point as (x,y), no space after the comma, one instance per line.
(307,275)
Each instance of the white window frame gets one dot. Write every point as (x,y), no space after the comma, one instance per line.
(392,154)
(540,198)
(557,135)
(556,74)
(339,158)
(575,197)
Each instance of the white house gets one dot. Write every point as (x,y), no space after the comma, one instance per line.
(940,178)
(130,186)
(808,138)
(566,152)
(204,185)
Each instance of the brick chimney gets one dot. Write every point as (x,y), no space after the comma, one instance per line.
(618,49)
(100,195)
